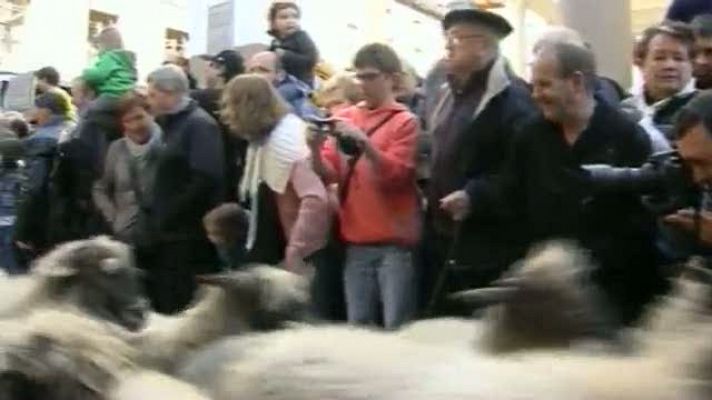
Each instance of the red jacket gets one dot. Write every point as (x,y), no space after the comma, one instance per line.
(382,205)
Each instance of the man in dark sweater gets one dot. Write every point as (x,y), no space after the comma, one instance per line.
(188,183)
(545,189)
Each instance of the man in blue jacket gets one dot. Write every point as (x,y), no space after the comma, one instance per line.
(293,91)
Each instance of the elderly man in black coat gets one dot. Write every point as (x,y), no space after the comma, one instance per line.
(475,114)
(189,182)
(546,189)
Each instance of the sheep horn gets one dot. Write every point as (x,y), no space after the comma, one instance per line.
(695,270)
(54,271)
(213,279)
(508,282)
(483,296)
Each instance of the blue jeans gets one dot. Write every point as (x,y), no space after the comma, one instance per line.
(379,279)
(8,261)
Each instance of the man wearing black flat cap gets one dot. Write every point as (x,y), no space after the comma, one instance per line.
(476,114)
(224,66)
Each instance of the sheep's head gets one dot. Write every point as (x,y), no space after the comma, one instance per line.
(98,276)
(687,306)
(61,355)
(263,297)
(544,300)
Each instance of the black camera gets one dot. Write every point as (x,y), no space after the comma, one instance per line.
(664,182)
(326,126)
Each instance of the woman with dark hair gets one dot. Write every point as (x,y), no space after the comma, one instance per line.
(123,191)
(290,217)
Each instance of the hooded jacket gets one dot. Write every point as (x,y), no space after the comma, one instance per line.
(113,74)
(300,55)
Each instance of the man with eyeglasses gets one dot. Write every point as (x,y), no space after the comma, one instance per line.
(475,115)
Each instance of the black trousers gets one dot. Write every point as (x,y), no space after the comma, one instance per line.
(171,268)
(327,289)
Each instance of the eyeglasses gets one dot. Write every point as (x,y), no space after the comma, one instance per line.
(367,76)
(260,70)
(459,39)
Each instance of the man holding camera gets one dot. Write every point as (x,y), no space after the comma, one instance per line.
(544,187)
(372,160)
(693,132)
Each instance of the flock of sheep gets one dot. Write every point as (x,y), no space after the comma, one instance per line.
(78,328)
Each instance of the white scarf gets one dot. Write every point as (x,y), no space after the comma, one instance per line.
(271,161)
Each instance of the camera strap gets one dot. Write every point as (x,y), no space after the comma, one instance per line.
(351,164)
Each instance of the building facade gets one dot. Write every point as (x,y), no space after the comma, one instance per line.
(56,32)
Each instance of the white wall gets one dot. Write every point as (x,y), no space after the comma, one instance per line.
(55,32)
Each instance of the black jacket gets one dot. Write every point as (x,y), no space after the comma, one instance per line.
(479,151)
(79,162)
(300,55)
(189,174)
(235,148)
(543,188)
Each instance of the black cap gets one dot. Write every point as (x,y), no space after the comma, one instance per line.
(231,60)
(466,11)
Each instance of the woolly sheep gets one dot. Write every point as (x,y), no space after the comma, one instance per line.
(149,385)
(62,355)
(258,298)
(545,301)
(96,276)
(354,364)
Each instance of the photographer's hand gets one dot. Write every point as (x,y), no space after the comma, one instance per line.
(315,140)
(360,138)
(685,219)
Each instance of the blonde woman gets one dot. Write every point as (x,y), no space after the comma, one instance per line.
(288,202)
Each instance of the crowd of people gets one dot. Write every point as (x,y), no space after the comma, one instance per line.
(391,190)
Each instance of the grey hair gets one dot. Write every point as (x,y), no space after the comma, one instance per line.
(169,78)
(559,34)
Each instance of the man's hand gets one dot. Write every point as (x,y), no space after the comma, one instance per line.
(351,132)
(315,138)
(685,219)
(457,204)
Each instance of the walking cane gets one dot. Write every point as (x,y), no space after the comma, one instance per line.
(450,263)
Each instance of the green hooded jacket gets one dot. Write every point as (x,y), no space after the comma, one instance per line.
(113,73)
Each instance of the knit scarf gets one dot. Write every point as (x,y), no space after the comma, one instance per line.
(270,161)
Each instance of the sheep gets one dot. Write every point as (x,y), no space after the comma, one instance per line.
(63,355)
(355,364)
(96,276)
(545,301)
(257,298)
(150,385)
